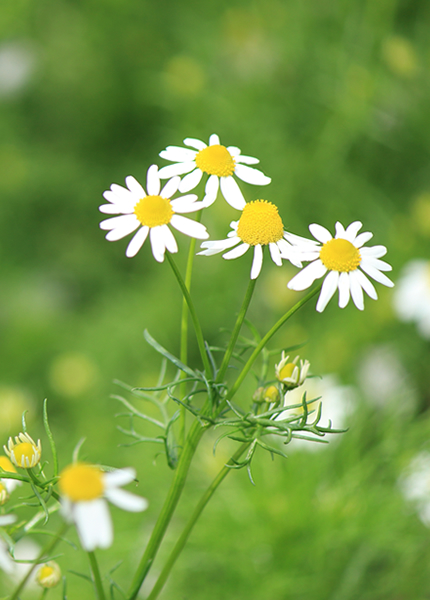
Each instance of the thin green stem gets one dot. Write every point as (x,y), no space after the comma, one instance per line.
(179,546)
(184,333)
(267,337)
(194,436)
(96,576)
(196,323)
(236,330)
(45,552)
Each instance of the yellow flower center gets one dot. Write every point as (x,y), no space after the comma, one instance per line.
(340,255)
(45,571)
(287,371)
(216,160)
(260,223)
(153,211)
(4,496)
(24,450)
(81,482)
(6,465)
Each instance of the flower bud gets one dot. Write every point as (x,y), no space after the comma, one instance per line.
(48,575)
(271,394)
(291,374)
(4,494)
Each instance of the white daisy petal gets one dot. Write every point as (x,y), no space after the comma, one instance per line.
(169,239)
(378,264)
(307,276)
(328,289)
(362,238)
(137,242)
(110,209)
(247,160)
(126,500)
(250,175)
(275,253)
(376,275)
(235,152)
(236,252)
(120,232)
(93,523)
(178,154)
(214,140)
(186,204)
(356,290)
(231,192)
(153,181)
(194,143)
(257,262)
(170,188)
(121,222)
(157,243)
(176,169)
(189,227)
(374,251)
(119,477)
(367,285)
(190,181)
(352,230)
(343,286)
(320,233)
(211,190)
(340,230)
(123,194)
(217,246)
(134,186)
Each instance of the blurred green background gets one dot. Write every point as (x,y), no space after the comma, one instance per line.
(333,98)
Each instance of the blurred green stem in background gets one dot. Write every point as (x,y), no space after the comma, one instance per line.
(96,576)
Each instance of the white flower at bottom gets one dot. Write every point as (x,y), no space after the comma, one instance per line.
(219,162)
(151,214)
(260,225)
(84,489)
(341,256)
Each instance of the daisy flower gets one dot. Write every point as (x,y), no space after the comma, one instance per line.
(84,489)
(23,452)
(219,162)
(345,259)
(260,225)
(291,373)
(151,214)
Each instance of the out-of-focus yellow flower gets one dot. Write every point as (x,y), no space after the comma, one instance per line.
(48,575)
(400,56)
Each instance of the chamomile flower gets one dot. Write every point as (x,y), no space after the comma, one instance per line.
(346,262)
(48,575)
(84,490)
(291,373)
(7,520)
(151,214)
(23,452)
(219,162)
(260,225)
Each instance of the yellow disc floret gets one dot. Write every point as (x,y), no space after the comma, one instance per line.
(23,452)
(260,223)
(49,575)
(216,160)
(287,371)
(81,482)
(153,211)
(340,255)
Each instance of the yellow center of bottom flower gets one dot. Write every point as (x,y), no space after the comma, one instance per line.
(340,255)
(260,223)
(81,482)
(24,450)
(216,160)
(153,211)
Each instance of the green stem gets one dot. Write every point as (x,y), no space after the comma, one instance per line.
(267,337)
(44,553)
(196,323)
(184,333)
(96,576)
(194,436)
(236,330)
(179,546)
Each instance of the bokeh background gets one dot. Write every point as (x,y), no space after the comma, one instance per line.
(333,97)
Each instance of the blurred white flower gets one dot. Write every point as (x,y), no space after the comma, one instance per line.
(414,484)
(411,299)
(16,65)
